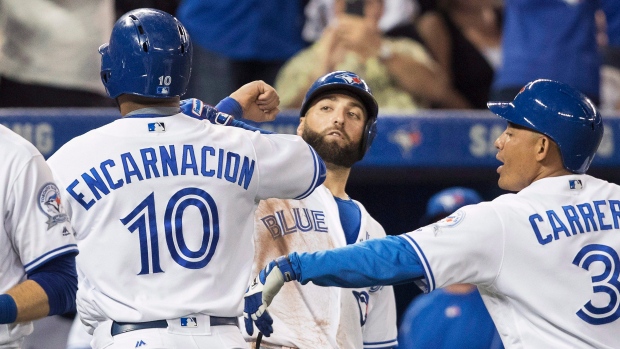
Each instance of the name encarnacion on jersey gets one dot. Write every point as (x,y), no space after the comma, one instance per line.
(577,219)
(162,162)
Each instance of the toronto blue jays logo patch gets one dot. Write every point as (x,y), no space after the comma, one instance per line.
(49,203)
(452,220)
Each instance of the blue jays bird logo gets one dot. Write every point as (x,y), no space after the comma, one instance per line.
(362,302)
(50,205)
(349,78)
(406,140)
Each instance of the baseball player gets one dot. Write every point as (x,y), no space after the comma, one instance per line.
(545,259)
(37,246)
(163,203)
(454,316)
(338,118)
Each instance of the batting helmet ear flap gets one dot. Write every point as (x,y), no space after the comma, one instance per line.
(370,132)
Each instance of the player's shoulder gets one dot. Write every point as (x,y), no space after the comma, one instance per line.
(487,211)
(13,145)
(80,144)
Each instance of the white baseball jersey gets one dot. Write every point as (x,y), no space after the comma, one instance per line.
(163,208)
(35,227)
(316,317)
(546,261)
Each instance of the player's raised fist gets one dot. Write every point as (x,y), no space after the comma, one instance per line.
(258,100)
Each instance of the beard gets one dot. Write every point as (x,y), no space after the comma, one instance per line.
(331,152)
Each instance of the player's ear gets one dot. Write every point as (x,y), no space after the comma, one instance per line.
(544,148)
(300,127)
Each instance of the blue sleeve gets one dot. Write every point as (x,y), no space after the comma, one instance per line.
(58,278)
(230,106)
(385,261)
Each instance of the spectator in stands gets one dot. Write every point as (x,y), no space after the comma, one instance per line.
(553,39)
(400,72)
(238,41)
(49,55)
(454,316)
(319,13)
(464,37)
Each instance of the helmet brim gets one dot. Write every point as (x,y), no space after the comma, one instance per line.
(507,110)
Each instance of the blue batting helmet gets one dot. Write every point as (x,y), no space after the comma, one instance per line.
(149,54)
(443,203)
(348,83)
(560,112)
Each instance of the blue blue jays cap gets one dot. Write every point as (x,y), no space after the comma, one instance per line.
(447,201)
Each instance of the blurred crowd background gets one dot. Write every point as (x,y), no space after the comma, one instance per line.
(415,55)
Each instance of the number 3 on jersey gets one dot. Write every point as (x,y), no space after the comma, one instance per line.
(143,219)
(607,282)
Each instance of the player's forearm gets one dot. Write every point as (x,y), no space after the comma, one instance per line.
(58,278)
(30,300)
(384,261)
(230,106)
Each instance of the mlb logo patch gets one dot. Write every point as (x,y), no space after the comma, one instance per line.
(157,127)
(575,184)
(189,322)
(163,90)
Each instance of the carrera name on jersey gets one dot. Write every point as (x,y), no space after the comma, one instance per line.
(162,161)
(581,218)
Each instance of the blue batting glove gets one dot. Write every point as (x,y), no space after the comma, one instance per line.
(261,292)
(197,109)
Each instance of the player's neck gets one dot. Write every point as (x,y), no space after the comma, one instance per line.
(336,180)
(129,103)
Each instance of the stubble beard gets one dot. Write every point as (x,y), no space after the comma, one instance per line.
(331,152)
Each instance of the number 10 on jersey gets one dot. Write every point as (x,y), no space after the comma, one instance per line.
(143,219)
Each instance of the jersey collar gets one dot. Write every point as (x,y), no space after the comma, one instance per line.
(154,112)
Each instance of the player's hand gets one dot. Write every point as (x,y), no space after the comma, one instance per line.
(261,292)
(197,109)
(258,100)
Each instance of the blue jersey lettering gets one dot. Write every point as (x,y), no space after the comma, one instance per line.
(230,166)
